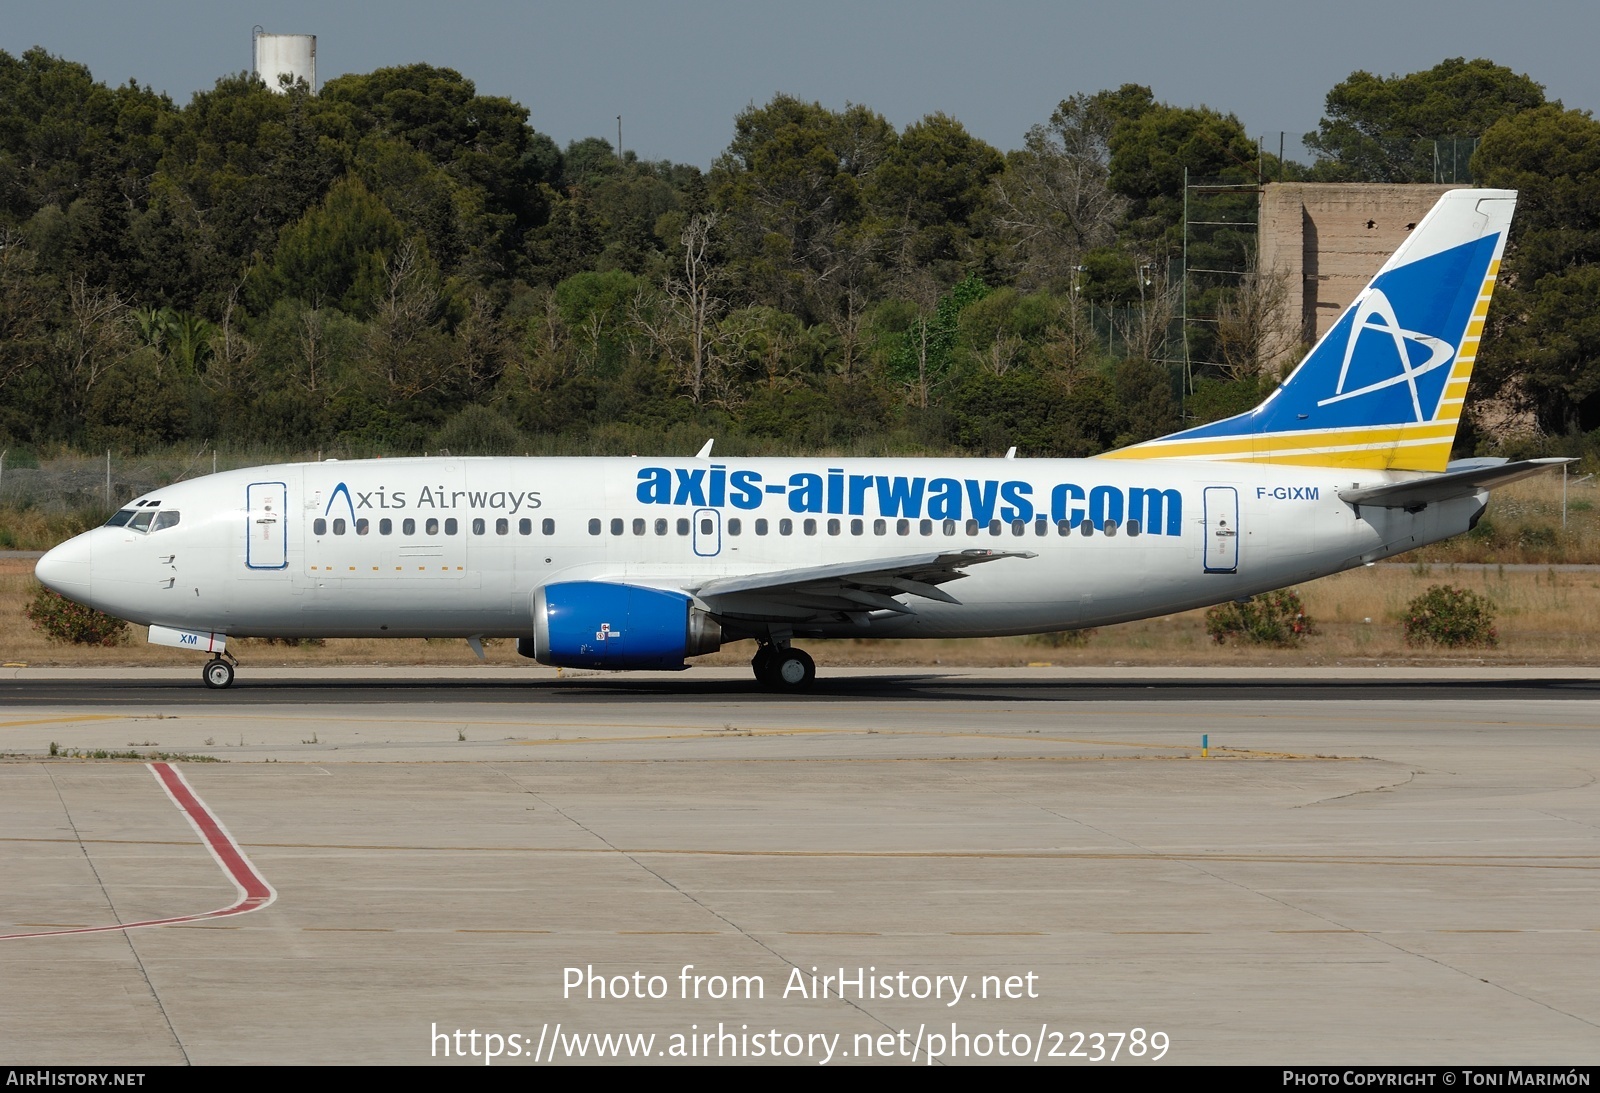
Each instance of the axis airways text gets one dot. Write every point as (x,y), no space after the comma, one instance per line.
(836,491)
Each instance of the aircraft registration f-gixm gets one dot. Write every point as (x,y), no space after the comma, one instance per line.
(643,563)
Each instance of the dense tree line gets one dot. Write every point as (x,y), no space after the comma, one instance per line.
(399,263)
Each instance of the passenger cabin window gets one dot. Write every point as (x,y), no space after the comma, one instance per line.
(450,526)
(926,527)
(502,526)
(857,527)
(594,527)
(319,526)
(661,525)
(385,526)
(363,526)
(524,526)
(1133,527)
(902,527)
(339,526)
(616,525)
(833,527)
(949,527)
(880,527)
(431,527)
(810,526)
(408,527)
(638,525)
(683,525)
(548,526)
(761,527)
(786,526)
(478,526)
(734,526)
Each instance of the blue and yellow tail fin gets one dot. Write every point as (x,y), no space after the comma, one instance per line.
(1384,388)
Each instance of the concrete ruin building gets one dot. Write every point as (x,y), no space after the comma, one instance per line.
(1327,239)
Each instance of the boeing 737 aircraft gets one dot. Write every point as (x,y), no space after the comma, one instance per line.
(642,563)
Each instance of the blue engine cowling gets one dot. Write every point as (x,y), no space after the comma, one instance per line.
(594,624)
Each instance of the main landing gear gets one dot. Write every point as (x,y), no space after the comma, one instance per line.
(218,672)
(783,667)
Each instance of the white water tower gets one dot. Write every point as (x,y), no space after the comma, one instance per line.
(276,55)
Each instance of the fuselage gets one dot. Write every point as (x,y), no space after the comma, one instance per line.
(444,546)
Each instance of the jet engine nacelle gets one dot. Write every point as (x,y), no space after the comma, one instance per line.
(593,624)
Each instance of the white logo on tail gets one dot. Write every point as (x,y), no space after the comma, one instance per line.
(1374,312)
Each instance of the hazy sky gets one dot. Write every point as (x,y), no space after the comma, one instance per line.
(679,72)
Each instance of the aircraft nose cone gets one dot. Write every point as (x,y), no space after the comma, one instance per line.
(66,569)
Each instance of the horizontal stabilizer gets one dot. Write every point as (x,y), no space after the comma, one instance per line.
(1418,493)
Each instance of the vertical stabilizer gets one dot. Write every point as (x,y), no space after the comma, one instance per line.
(1384,388)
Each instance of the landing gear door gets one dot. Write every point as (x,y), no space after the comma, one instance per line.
(266,525)
(1222,529)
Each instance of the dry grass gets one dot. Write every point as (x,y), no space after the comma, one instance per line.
(1543,617)
(1524,526)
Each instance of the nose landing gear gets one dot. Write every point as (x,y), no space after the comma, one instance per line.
(783,667)
(218,672)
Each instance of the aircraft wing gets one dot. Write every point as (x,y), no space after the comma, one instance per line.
(849,588)
(1475,475)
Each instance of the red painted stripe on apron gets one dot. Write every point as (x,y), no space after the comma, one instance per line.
(254,891)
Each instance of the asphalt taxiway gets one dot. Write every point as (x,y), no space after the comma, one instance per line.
(1317,867)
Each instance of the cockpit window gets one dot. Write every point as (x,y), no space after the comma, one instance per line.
(141,520)
(166,518)
(120,517)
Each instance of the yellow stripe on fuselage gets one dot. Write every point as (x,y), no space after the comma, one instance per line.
(1419,448)
(1413,455)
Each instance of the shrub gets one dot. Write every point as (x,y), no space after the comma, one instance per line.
(1275,618)
(60,619)
(1537,537)
(1449,616)
(479,430)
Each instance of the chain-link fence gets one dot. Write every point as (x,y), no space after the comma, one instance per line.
(97,485)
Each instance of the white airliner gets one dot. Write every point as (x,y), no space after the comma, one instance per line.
(642,563)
